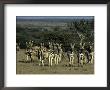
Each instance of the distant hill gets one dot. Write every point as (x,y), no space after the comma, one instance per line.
(53,19)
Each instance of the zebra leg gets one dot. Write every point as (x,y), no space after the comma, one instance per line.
(89,61)
(31,58)
(39,63)
(55,59)
(51,61)
(78,61)
(85,60)
(42,62)
(81,62)
(59,58)
(72,61)
(27,58)
(92,59)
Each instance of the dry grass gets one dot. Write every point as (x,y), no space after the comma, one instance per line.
(23,67)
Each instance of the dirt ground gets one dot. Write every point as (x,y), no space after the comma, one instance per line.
(23,67)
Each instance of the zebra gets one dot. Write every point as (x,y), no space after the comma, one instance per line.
(29,53)
(71,59)
(51,58)
(81,59)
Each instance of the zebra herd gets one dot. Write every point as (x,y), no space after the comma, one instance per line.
(54,54)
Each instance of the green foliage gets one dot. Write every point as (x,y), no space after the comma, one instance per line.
(66,35)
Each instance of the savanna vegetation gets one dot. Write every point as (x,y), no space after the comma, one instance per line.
(64,32)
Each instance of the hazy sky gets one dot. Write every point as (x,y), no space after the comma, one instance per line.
(55,17)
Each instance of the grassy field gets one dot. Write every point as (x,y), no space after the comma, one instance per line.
(23,67)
